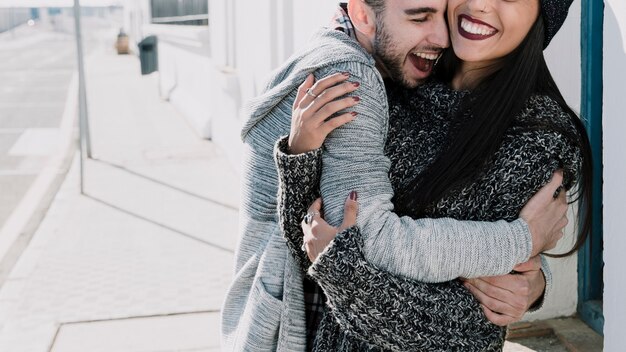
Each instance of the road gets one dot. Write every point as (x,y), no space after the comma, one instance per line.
(38,65)
(35,80)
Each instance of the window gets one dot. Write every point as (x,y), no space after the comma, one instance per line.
(180,12)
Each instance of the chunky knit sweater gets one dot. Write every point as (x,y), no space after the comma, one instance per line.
(370,309)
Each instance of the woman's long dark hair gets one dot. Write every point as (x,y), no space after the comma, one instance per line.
(494,105)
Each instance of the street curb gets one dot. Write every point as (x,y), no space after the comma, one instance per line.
(22,224)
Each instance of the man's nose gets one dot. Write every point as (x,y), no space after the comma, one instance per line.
(440,36)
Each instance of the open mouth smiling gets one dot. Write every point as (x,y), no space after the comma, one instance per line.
(473,29)
(424,61)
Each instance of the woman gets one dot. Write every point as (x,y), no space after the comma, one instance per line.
(475,147)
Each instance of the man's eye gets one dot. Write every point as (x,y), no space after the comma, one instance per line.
(420,20)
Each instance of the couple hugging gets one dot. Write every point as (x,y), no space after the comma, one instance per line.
(402,176)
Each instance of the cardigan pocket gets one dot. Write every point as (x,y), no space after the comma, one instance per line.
(261,317)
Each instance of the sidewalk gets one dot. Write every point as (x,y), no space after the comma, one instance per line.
(142,261)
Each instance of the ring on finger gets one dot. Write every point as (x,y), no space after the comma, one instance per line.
(308,218)
(310,93)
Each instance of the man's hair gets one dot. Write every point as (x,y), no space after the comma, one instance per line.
(377,5)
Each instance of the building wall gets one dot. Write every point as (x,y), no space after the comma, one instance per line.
(249,39)
(614,128)
(186,70)
(136,15)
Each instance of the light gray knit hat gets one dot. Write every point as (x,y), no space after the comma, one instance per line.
(554,13)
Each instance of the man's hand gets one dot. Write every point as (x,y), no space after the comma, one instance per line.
(506,298)
(546,215)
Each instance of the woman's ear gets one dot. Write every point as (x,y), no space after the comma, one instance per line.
(362,17)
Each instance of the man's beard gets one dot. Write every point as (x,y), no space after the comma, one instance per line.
(384,52)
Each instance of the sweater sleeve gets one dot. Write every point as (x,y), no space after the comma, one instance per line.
(298,177)
(547,292)
(428,250)
(393,312)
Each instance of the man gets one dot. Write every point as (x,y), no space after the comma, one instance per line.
(265,308)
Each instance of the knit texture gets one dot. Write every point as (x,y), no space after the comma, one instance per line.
(554,13)
(264,306)
(306,180)
(371,309)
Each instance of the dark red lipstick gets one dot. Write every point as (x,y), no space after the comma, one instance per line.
(473,36)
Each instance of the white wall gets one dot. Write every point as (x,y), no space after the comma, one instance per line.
(186,71)
(614,128)
(136,15)
(249,39)
(563,57)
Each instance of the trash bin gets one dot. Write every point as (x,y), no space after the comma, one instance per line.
(148,55)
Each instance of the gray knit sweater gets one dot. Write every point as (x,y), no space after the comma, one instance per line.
(371,309)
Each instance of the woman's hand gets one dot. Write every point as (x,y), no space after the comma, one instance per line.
(315,103)
(318,233)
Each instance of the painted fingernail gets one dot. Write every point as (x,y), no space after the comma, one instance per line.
(346,73)
(353,195)
(354,113)
(356,84)
(356,98)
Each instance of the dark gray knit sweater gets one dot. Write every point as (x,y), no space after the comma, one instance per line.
(372,310)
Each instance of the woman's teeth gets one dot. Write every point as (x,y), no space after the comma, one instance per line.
(475,28)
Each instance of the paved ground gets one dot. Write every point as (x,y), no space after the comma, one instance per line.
(37,69)
(152,237)
(37,107)
(553,335)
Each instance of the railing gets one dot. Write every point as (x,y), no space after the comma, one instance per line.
(181,12)
(176,19)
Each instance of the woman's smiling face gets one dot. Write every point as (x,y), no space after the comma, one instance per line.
(482,31)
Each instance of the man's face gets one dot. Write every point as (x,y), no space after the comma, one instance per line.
(410,35)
